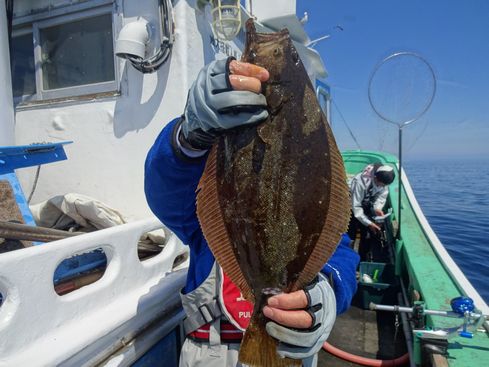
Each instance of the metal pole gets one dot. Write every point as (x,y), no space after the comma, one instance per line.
(375,307)
(408,333)
(399,184)
(24,232)
(399,188)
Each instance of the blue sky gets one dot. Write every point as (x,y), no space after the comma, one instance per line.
(452,35)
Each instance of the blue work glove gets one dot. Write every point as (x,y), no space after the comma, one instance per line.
(213,106)
(304,343)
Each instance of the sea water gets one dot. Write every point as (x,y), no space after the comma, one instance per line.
(454,196)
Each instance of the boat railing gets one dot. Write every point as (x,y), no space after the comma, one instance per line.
(91,324)
(448,263)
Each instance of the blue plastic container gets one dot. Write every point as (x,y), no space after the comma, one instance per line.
(383,281)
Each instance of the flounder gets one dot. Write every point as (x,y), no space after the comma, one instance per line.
(273,200)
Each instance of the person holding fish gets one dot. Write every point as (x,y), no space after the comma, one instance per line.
(369,192)
(227,95)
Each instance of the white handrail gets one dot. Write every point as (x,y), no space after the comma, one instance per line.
(39,327)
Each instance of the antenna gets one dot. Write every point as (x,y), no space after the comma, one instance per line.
(314,42)
(322,38)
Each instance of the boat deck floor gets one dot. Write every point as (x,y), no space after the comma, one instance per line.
(364,333)
(369,334)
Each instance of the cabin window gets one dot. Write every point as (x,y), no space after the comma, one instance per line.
(66,54)
(77,53)
(22,65)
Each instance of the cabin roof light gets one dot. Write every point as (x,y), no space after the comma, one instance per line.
(226,18)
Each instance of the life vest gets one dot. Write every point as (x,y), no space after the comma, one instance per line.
(216,298)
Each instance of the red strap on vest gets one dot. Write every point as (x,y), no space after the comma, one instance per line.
(229,333)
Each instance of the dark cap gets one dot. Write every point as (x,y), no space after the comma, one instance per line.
(385,174)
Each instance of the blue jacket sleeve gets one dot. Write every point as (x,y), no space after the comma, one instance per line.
(170,184)
(341,267)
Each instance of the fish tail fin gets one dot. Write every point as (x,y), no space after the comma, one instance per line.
(259,349)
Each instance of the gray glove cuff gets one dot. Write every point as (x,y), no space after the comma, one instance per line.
(191,153)
(300,344)
(213,106)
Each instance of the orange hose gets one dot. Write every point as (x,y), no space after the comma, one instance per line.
(365,361)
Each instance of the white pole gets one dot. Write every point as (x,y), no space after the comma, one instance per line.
(6,99)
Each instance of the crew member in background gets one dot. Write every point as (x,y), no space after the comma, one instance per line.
(227,94)
(369,193)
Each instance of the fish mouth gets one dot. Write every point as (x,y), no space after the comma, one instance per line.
(253,36)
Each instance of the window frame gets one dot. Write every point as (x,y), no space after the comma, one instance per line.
(35,24)
(323,95)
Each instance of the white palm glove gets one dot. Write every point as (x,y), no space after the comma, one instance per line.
(214,106)
(304,343)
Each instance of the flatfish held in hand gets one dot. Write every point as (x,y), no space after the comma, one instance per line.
(273,200)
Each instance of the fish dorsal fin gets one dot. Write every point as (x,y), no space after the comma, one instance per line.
(337,218)
(213,226)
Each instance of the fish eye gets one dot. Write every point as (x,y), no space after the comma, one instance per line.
(277,52)
(252,55)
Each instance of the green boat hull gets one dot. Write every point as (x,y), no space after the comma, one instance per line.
(426,268)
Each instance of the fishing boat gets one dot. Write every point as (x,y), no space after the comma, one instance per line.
(93,83)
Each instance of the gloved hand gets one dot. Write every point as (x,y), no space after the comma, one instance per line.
(304,343)
(214,106)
